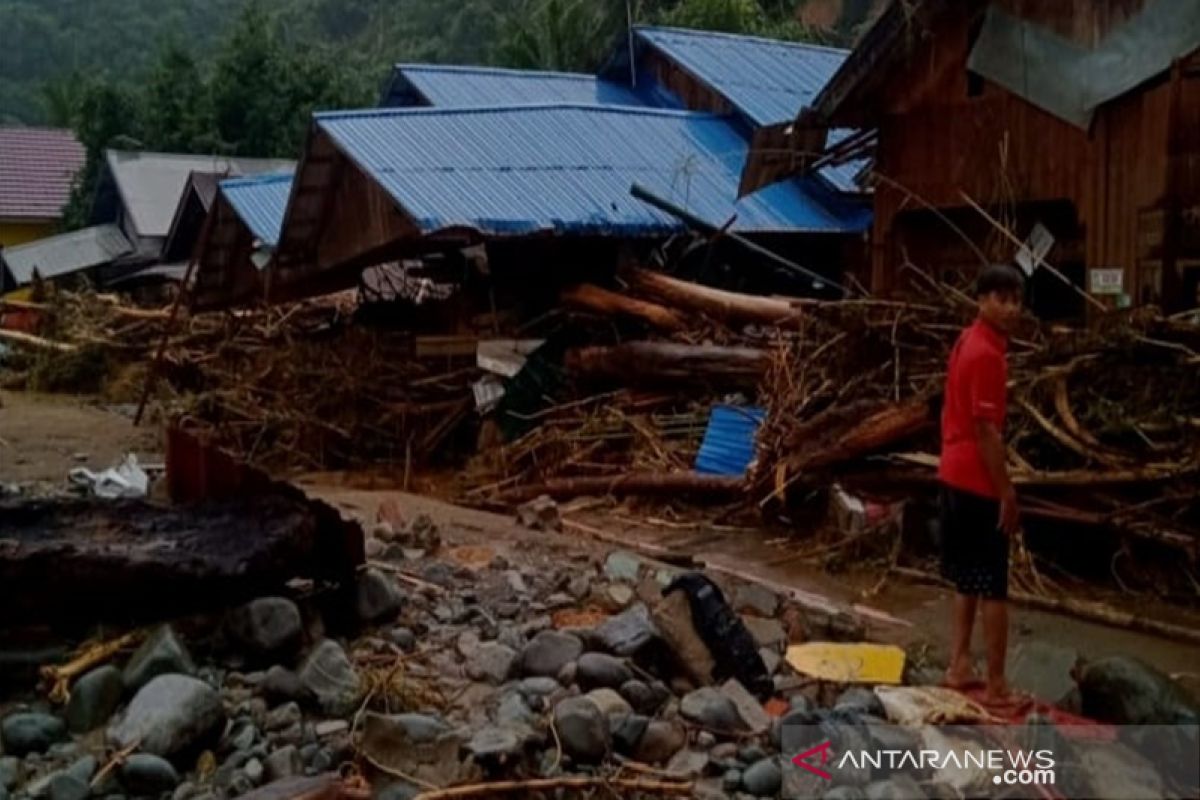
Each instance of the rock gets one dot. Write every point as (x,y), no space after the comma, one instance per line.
(622,566)
(602,670)
(415,744)
(403,638)
(731,781)
(583,729)
(84,768)
(491,662)
(538,687)
(627,732)
(171,714)
(94,698)
(496,745)
(283,763)
(618,596)
(328,674)
(766,632)
(896,787)
(763,778)
(579,587)
(725,751)
(281,684)
(285,716)
(707,740)
(662,739)
(65,786)
(756,719)
(755,599)
(514,710)
(1126,691)
(549,652)
(688,763)
(639,694)
(266,627)
(712,709)
(144,774)
(24,733)
(330,727)
(540,514)
(241,736)
(161,654)
(376,597)
(401,790)
(771,659)
(254,771)
(860,701)
(751,753)
(609,702)
(673,619)
(516,581)
(628,632)
(566,676)
(10,772)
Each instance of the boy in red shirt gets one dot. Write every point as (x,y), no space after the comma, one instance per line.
(978,503)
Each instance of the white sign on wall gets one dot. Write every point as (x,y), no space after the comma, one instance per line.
(1106,280)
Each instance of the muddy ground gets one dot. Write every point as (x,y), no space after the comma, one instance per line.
(43,437)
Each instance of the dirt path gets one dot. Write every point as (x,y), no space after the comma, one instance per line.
(43,436)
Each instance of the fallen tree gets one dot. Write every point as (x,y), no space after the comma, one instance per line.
(715,303)
(604,301)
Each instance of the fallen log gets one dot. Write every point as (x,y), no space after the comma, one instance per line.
(669,484)
(29,340)
(669,364)
(716,303)
(589,297)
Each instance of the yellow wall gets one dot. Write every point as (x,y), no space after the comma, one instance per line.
(14,233)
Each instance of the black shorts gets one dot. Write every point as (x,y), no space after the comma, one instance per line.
(974,549)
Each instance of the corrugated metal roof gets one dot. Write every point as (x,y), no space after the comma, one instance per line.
(728,446)
(766,80)
(568,168)
(151,184)
(466,87)
(37,166)
(260,202)
(60,255)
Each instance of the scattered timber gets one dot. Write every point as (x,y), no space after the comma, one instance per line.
(718,304)
(604,301)
(651,364)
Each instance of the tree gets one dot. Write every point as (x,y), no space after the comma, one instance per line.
(247,103)
(176,102)
(108,116)
(568,35)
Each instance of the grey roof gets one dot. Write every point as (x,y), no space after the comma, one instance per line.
(151,184)
(60,255)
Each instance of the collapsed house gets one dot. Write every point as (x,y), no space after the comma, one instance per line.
(1080,118)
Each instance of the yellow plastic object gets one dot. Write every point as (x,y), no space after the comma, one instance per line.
(848,663)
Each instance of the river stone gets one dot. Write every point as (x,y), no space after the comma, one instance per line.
(10,772)
(266,626)
(662,739)
(755,599)
(860,701)
(161,654)
(763,778)
(709,707)
(284,763)
(282,684)
(755,718)
(689,763)
(283,717)
(94,698)
(495,744)
(491,662)
(548,653)
(25,733)
(600,670)
(144,774)
(766,632)
(622,566)
(583,729)
(609,702)
(332,679)
(628,632)
(376,597)
(171,714)
(65,786)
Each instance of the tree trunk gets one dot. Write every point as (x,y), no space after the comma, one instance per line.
(652,484)
(657,364)
(602,301)
(716,303)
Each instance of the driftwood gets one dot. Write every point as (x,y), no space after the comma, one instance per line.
(715,303)
(694,484)
(29,340)
(669,364)
(603,301)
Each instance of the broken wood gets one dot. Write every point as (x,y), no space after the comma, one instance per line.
(29,340)
(593,298)
(527,787)
(653,484)
(58,677)
(668,364)
(715,303)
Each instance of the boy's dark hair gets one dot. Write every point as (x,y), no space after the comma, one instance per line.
(1000,278)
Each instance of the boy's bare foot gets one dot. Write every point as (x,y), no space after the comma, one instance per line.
(961,676)
(999,695)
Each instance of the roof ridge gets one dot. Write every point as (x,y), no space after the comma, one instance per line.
(745,37)
(261,177)
(493,70)
(604,108)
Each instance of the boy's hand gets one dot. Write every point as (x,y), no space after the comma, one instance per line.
(1010,512)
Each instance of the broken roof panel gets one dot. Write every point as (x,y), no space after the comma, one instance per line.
(60,255)
(37,166)
(768,81)
(260,202)
(151,184)
(438,85)
(516,171)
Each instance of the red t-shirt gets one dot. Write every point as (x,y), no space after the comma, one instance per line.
(975,390)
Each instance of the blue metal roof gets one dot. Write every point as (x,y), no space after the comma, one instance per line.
(566,168)
(766,80)
(728,446)
(260,201)
(466,87)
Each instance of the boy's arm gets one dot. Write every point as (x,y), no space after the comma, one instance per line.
(995,461)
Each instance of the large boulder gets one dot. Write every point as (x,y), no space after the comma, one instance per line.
(94,698)
(171,715)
